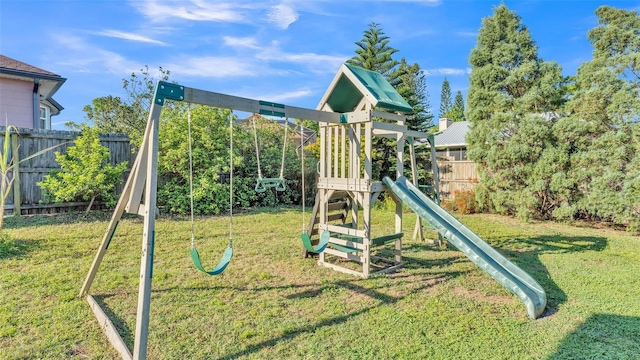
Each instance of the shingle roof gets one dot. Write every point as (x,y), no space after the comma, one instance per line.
(13,64)
(454,135)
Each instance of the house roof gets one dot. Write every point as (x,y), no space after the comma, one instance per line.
(48,82)
(7,63)
(352,84)
(454,135)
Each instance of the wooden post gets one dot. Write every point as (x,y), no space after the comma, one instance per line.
(322,193)
(399,172)
(417,232)
(17,199)
(148,240)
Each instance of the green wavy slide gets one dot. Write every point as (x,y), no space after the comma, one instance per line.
(477,250)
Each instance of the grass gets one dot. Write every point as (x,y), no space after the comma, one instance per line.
(273,304)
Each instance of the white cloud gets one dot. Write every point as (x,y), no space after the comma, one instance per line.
(282,15)
(464,33)
(244,42)
(87,58)
(424,2)
(130,36)
(447,71)
(317,63)
(214,67)
(234,11)
(286,96)
(197,10)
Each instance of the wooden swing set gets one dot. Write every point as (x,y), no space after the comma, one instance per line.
(349,116)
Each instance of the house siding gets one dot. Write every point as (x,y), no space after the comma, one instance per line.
(16,102)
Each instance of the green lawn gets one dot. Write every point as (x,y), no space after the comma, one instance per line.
(273,304)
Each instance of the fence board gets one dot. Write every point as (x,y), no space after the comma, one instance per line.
(456,175)
(34,170)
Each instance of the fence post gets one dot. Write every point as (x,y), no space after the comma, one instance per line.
(16,175)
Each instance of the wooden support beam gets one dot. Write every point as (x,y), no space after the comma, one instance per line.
(389,116)
(115,218)
(350,184)
(109,329)
(343,230)
(225,101)
(399,129)
(148,239)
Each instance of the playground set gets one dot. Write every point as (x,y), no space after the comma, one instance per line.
(358,106)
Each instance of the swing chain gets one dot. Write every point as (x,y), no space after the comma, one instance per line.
(304,230)
(193,241)
(262,184)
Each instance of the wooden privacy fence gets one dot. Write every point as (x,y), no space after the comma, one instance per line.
(26,196)
(456,175)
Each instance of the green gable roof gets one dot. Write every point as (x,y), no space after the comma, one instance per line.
(354,83)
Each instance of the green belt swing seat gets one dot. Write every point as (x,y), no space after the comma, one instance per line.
(228,253)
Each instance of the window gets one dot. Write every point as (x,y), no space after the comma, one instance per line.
(45,118)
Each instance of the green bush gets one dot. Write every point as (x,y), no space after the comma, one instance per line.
(85,172)
(210,147)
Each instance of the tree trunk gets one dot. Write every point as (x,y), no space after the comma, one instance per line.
(89,207)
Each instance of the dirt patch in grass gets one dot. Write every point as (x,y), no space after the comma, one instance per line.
(477,294)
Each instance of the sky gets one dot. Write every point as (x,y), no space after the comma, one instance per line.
(285,51)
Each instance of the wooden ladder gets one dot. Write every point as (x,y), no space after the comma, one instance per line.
(339,206)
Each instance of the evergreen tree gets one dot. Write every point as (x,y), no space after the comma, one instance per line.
(456,113)
(511,92)
(374,53)
(604,174)
(445,98)
(413,88)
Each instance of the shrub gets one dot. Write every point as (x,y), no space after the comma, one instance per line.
(464,202)
(85,172)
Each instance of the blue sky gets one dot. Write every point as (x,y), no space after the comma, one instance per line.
(285,51)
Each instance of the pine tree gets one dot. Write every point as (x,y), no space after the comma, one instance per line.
(511,91)
(413,88)
(456,113)
(445,98)
(603,129)
(374,53)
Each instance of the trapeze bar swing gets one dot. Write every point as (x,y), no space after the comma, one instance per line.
(262,183)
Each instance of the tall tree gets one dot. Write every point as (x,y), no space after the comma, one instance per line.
(445,98)
(413,88)
(374,53)
(129,116)
(603,130)
(456,113)
(511,92)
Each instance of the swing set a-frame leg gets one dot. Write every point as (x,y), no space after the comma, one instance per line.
(142,180)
